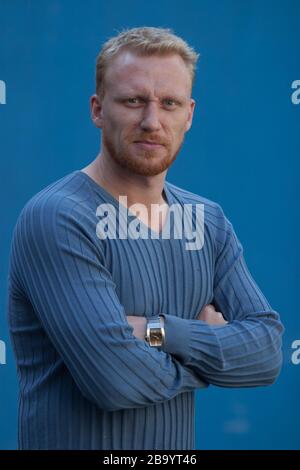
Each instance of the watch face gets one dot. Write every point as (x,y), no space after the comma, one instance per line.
(155,333)
(156,336)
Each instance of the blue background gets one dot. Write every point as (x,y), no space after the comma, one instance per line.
(242,151)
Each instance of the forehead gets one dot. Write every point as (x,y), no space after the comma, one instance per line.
(130,71)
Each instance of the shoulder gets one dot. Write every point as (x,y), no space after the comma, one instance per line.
(218,228)
(68,195)
(213,212)
(187,197)
(66,203)
(67,192)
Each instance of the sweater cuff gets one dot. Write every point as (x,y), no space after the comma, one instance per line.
(177,336)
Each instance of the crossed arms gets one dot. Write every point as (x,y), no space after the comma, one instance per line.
(65,279)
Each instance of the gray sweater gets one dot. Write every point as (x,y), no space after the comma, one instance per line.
(85,381)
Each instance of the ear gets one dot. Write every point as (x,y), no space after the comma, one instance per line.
(96,111)
(190,115)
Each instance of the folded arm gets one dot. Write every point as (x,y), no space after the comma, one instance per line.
(246,352)
(62,270)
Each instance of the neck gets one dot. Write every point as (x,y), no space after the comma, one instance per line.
(118,181)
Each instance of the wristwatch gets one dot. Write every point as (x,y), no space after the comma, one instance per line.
(155,332)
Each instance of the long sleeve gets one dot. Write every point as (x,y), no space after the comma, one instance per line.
(59,262)
(247,351)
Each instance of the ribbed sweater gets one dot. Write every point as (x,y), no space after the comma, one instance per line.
(86,382)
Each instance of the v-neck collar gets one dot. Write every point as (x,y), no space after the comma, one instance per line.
(108,196)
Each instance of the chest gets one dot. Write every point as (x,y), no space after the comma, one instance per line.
(154,276)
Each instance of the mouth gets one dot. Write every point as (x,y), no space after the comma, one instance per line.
(148,145)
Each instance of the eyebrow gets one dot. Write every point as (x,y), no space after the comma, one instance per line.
(145,96)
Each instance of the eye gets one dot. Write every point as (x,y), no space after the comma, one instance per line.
(169,103)
(133,100)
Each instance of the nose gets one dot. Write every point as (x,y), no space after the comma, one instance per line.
(150,120)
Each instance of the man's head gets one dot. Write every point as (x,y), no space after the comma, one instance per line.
(144,80)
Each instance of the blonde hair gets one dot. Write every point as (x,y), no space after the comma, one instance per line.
(145,41)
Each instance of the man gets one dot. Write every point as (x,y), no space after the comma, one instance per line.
(113,334)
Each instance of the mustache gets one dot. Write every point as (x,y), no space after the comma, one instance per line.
(152,139)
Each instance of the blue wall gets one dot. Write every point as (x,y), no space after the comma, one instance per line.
(243,152)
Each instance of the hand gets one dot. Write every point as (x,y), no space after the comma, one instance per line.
(139,326)
(211,316)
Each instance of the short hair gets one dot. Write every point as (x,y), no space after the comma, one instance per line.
(145,41)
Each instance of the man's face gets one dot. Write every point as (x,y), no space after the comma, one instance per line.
(145,111)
